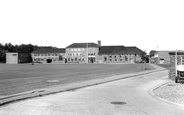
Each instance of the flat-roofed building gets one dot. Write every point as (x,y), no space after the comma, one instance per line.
(48,55)
(15,58)
(12,58)
(82,53)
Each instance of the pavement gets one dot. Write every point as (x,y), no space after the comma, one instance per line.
(130,96)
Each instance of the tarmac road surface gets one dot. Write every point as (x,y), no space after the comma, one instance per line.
(129,96)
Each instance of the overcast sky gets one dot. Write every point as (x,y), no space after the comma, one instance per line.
(142,23)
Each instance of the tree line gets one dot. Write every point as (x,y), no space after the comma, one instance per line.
(23,48)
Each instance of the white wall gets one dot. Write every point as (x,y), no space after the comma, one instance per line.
(12,58)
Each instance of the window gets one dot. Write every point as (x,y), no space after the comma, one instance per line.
(14,54)
(126,58)
(82,49)
(71,49)
(110,58)
(105,58)
(115,58)
(120,58)
(79,49)
(45,54)
(75,49)
(60,58)
(68,59)
(82,59)
(182,60)
(75,59)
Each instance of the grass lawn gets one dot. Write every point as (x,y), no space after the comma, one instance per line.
(24,77)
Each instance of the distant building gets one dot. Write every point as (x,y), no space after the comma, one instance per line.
(48,55)
(88,53)
(15,58)
(161,57)
(82,53)
(119,54)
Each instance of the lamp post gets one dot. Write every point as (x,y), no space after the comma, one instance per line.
(176,62)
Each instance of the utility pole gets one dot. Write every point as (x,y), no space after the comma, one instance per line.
(176,62)
(87,53)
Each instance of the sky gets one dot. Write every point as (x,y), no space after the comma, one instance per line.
(147,24)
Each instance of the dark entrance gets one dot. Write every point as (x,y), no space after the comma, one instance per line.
(49,60)
(91,59)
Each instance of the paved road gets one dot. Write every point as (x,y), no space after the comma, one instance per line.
(124,97)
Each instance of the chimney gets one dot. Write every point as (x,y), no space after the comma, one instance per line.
(99,43)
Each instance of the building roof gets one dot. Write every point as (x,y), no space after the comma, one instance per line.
(112,50)
(82,45)
(49,50)
(178,53)
(135,50)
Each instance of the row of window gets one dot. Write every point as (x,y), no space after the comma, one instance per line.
(54,59)
(76,49)
(75,54)
(91,54)
(115,58)
(41,59)
(54,54)
(80,54)
(75,59)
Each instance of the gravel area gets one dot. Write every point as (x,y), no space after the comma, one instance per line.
(171,91)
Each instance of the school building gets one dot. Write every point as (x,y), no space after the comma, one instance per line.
(82,53)
(119,54)
(48,55)
(88,53)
